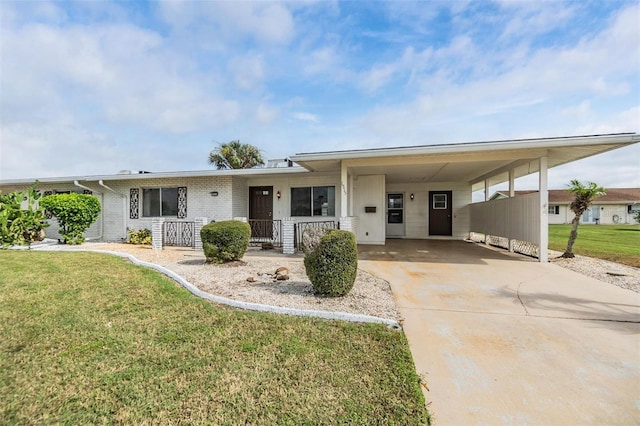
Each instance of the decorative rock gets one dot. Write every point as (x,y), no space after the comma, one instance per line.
(282,277)
(282,271)
(251,280)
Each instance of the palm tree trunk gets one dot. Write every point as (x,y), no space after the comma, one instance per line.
(568,253)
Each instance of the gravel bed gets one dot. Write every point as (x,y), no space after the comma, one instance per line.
(370,295)
(610,272)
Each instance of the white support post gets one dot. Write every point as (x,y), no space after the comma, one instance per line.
(344,190)
(199,222)
(157,228)
(349,223)
(543,245)
(288,235)
(512,193)
(512,183)
(486,190)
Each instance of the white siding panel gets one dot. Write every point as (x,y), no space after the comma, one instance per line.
(417,211)
(240,198)
(369,191)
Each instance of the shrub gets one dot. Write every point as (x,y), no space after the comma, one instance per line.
(141,236)
(311,238)
(333,265)
(636,216)
(18,225)
(75,214)
(225,241)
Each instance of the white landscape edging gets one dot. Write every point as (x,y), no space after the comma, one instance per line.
(330,315)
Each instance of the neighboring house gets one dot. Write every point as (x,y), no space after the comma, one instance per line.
(618,206)
(403,192)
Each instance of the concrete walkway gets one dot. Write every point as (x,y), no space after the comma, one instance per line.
(505,340)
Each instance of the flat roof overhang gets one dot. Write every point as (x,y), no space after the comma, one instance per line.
(246,173)
(467,162)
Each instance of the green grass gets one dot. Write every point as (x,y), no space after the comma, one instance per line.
(617,243)
(92,339)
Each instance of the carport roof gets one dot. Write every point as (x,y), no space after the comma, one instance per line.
(472,162)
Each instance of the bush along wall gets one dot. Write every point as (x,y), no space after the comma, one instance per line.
(332,267)
(225,241)
(75,214)
(140,236)
(21,225)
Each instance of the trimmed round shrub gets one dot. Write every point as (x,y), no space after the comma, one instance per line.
(225,241)
(311,238)
(333,265)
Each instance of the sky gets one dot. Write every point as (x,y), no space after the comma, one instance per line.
(95,87)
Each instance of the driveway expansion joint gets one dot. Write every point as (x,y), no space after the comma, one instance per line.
(526,311)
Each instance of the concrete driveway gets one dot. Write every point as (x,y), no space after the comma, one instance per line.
(502,339)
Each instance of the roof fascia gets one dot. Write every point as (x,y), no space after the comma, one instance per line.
(160,175)
(542,143)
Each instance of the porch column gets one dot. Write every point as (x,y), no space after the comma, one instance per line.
(344,190)
(199,223)
(543,245)
(157,225)
(486,190)
(512,183)
(288,235)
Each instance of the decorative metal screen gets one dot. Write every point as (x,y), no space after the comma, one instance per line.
(303,226)
(179,233)
(266,231)
(182,202)
(134,203)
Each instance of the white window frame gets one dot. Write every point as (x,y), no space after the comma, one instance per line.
(440,198)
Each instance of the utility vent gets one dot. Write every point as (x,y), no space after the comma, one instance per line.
(130,172)
(279,163)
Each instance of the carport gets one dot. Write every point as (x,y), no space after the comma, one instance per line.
(502,339)
(426,191)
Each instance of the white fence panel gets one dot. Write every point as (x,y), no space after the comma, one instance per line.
(516,218)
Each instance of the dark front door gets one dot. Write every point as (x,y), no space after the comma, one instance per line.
(261,210)
(440,213)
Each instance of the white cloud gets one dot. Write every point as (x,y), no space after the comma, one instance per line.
(247,70)
(266,113)
(120,71)
(305,116)
(264,22)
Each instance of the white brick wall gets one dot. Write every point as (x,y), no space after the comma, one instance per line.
(200,202)
(240,204)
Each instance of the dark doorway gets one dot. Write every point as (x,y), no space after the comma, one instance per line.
(261,210)
(440,213)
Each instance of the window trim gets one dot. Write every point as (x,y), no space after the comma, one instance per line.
(181,201)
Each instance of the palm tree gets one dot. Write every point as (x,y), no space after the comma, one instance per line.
(236,155)
(584,195)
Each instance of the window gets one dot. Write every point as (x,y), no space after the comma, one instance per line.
(554,210)
(313,201)
(164,202)
(439,201)
(632,208)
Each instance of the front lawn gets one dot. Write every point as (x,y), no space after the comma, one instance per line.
(617,243)
(89,338)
